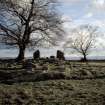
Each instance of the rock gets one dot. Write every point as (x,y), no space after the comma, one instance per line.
(60,55)
(36,55)
(52,57)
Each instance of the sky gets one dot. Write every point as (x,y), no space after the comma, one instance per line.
(83,12)
(77,12)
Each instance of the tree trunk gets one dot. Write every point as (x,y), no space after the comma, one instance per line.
(21,53)
(84,57)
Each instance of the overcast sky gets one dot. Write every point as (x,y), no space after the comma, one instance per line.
(83,11)
(77,12)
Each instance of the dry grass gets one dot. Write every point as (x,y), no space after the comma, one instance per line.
(81,84)
(56,92)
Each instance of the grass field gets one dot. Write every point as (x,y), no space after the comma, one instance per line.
(54,92)
(54,83)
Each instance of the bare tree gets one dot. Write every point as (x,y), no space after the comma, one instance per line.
(29,22)
(82,40)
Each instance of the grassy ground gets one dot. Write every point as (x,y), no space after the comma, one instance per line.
(58,92)
(53,83)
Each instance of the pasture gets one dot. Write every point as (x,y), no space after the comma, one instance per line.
(52,83)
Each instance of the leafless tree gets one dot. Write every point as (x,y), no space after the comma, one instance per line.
(29,22)
(82,40)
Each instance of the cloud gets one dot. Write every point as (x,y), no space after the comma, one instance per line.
(67,23)
(66,18)
(69,1)
(100,24)
(98,3)
(87,19)
(94,14)
(88,15)
(97,6)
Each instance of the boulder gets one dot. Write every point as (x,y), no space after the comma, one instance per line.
(36,55)
(60,55)
(52,57)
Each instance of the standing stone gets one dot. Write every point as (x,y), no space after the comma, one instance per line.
(36,54)
(60,55)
